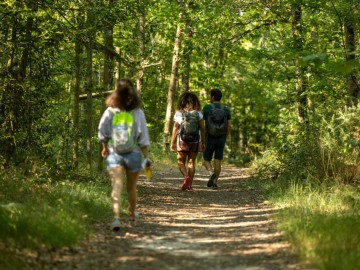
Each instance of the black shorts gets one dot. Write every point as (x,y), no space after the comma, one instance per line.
(214,147)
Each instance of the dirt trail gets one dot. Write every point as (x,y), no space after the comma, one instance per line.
(227,228)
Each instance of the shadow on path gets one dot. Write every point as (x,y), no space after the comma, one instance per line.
(227,228)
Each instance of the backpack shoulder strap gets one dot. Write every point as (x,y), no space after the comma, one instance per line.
(114,110)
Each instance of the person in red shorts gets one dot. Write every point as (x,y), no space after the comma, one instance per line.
(187,152)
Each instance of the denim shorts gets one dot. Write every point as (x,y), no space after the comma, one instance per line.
(214,146)
(131,161)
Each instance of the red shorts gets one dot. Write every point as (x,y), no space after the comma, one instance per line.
(182,146)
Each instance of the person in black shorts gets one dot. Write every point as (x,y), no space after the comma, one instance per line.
(214,145)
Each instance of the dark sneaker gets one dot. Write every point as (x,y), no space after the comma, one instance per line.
(212,177)
(214,186)
(186,183)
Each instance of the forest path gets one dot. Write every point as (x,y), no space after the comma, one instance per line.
(227,228)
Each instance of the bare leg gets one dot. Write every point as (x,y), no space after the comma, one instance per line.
(217,169)
(117,176)
(132,179)
(207,165)
(191,166)
(181,160)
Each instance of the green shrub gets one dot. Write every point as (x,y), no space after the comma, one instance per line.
(52,214)
(322,224)
(325,149)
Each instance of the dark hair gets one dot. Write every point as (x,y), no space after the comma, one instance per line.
(216,94)
(125,97)
(188,100)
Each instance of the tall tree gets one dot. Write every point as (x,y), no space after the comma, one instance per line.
(77,82)
(173,78)
(140,73)
(301,83)
(90,37)
(108,70)
(187,51)
(350,49)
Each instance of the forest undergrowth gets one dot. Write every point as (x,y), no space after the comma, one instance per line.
(312,176)
(321,222)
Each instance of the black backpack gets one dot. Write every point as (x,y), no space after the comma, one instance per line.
(217,122)
(189,128)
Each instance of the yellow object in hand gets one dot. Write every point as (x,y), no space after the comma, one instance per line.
(148,173)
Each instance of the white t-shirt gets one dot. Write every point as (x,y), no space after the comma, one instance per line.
(141,135)
(178,116)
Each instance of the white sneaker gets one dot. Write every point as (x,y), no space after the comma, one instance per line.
(115,225)
(136,218)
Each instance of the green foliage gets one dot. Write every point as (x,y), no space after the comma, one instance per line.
(321,223)
(325,150)
(268,166)
(50,213)
(162,159)
(245,48)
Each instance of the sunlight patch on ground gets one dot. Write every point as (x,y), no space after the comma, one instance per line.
(217,226)
(135,258)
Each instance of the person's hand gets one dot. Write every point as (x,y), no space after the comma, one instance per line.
(146,163)
(104,152)
(173,147)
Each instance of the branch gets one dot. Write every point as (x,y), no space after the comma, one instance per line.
(266,23)
(95,95)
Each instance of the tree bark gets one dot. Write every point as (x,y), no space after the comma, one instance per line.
(187,50)
(14,105)
(140,73)
(76,104)
(118,68)
(350,47)
(108,76)
(301,84)
(173,81)
(89,86)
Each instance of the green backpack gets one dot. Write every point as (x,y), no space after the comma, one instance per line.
(122,132)
(189,127)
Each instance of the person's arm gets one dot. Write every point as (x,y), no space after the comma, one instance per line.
(105,150)
(174,136)
(104,132)
(143,139)
(202,134)
(228,132)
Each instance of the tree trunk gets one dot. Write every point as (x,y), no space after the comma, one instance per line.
(301,83)
(187,50)
(140,73)
(353,88)
(14,104)
(89,87)
(76,105)
(173,81)
(108,76)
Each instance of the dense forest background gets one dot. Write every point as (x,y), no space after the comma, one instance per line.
(289,71)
